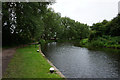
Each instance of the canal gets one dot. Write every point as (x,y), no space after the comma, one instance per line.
(78,62)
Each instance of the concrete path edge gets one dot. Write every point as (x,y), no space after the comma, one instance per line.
(57,71)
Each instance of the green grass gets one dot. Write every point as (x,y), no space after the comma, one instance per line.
(28,63)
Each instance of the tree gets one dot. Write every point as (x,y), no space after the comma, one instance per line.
(21,21)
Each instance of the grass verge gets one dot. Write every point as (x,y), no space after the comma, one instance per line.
(28,63)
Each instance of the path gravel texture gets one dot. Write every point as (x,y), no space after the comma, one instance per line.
(7,55)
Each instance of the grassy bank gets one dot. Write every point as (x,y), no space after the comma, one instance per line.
(28,63)
(102,42)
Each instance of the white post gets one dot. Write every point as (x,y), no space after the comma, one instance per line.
(119,7)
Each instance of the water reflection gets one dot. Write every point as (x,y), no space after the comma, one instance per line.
(77,62)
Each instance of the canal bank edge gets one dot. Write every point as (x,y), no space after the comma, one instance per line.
(57,71)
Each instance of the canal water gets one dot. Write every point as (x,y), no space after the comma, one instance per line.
(78,62)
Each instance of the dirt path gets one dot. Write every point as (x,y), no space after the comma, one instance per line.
(7,54)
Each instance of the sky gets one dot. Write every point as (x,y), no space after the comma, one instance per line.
(87,11)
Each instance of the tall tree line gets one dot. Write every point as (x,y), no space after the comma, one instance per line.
(108,28)
(25,22)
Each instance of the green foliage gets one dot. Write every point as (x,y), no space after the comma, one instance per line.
(74,30)
(22,22)
(96,43)
(42,41)
(98,29)
(33,21)
(51,24)
(105,34)
(113,27)
(104,41)
(92,35)
(84,42)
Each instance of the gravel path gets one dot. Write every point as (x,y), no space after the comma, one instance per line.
(7,54)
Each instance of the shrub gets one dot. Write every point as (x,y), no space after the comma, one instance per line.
(84,41)
(96,43)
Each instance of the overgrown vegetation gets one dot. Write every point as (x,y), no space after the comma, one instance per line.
(104,34)
(30,22)
(27,22)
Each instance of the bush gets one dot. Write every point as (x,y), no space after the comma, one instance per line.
(84,41)
(96,43)
(106,41)
(42,41)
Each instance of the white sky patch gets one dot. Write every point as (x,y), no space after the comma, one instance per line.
(87,11)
